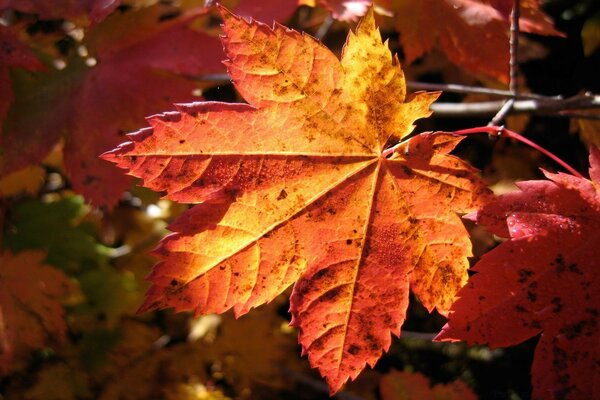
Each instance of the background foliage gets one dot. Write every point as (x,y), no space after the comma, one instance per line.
(75,78)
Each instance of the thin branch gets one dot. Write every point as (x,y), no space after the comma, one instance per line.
(502,113)
(465,89)
(556,107)
(412,85)
(514,48)
(324,28)
(513,66)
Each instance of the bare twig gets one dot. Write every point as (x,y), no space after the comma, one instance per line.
(455,88)
(514,48)
(412,85)
(556,107)
(324,28)
(502,113)
(513,66)
(426,336)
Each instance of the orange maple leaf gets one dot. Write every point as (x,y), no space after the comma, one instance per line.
(31,315)
(301,185)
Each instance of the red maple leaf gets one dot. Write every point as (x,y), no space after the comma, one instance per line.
(13,54)
(265,10)
(31,315)
(472,33)
(96,10)
(141,67)
(544,279)
(300,186)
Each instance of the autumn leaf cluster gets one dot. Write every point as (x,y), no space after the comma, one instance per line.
(312,192)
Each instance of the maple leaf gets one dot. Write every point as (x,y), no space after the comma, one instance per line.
(13,54)
(532,19)
(397,385)
(544,279)
(141,66)
(96,10)
(297,186)
(31,315)
(472,33)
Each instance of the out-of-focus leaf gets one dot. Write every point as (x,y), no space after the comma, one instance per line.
(94,10)
(590,35)
(109,293)
(140,62)
(27,180)
(31,315)
(58,228)
(57,382)
(13,54)
(415,386)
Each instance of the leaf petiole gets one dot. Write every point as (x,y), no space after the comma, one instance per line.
(500,130)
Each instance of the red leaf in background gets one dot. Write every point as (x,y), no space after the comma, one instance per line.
(397,385)
(472,33)
(96,10)
(13,54)
(532,19)
(265,10)
(544,279)
(141,69)
(31,315)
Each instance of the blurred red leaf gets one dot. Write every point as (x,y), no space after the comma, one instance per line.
(31,315)
(142,65)
(96,10)
(415,386)
(13,54)
(472,33)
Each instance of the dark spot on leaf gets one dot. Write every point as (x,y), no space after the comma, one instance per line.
(282,195)
(354,349)
(331,295)
(575,269)
(557,305)
(524,275)
(348,241)
(89,179)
